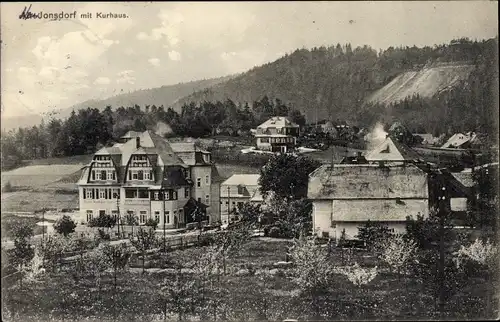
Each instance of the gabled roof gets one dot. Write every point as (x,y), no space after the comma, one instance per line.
(277,122)
(392,150)
(242,179)
(459,139)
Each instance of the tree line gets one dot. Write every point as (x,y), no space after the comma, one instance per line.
(87,130)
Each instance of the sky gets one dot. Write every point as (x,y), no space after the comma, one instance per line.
(47,64)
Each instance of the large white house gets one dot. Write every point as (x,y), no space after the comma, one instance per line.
(278,134)
(148,177)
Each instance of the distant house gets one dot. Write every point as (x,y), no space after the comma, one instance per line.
(237,190)
(329,128)
(429,139)
(346,196)
(278,134)
(461,141)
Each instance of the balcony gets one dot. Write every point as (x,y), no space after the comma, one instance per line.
(137,201)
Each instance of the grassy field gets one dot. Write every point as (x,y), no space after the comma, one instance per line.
(267,295)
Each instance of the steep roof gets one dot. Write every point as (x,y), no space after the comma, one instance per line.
(242,179)
(392,150)
(278,122)
(459,139)
(367,181)
(163,149)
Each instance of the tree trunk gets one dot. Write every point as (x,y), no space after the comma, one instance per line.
(143,263)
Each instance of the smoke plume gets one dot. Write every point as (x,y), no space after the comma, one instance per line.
(162,129)
(376,136)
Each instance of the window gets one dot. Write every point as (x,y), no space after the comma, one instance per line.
(116,193)
(140,175)
(167,217)
(207,179)
(157,216)
(135,175)
(264,140)
(156,195)
(89,215)
(143,194)
(102,193)
(174,195)
(147,175)
(167,195)
(181,214)
(88,193)
(111,175)
(96,175)
(186,192)
(207,199)
(129,193)
(114,213)
(103,174)
(102,212)
(198,182)
(142,217)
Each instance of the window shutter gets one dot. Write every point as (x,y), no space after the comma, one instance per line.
(114,175)
(84,193)
(140,175)
(93,175)
(103,175)
(93,194)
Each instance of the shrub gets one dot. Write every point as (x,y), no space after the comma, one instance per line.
(275,232)
(7,187)
(65,225)
(103,235)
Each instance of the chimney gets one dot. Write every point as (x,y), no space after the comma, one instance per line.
(137,142)
(359,154)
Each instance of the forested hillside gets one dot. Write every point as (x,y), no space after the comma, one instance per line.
(336,82)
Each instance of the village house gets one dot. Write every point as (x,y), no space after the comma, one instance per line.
(278,134)
(389,184)
(147,177)
(461,141)
(237,190)
(346,196)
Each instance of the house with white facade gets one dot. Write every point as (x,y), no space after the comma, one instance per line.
(237,190)
(346,196)
(145,176)
(278,134)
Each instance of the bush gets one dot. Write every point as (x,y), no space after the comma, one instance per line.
(266,231)
(7,187)
(274,232)
(103,235)
(206,240)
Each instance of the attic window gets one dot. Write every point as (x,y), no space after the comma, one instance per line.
(386,150)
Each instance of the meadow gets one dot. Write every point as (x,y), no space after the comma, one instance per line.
(262,293)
